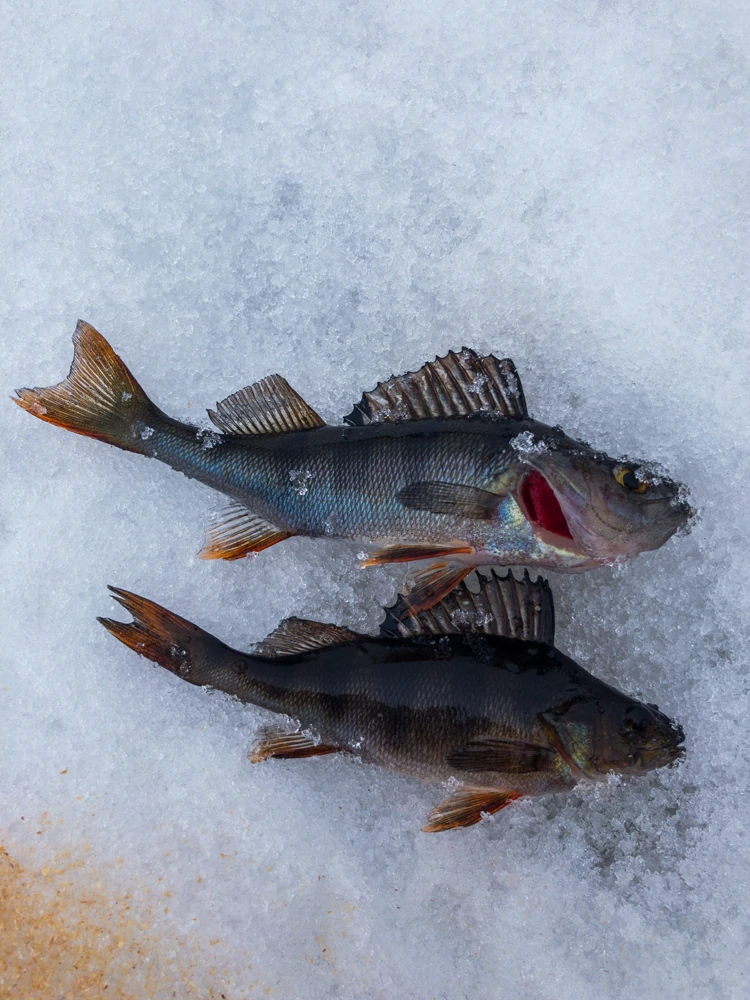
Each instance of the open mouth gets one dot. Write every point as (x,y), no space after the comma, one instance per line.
(541,506)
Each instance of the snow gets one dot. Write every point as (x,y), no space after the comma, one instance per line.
(338,191)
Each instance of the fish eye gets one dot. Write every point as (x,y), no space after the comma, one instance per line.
(627,478)
(637,719)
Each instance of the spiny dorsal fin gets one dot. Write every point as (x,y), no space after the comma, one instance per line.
(457,385)
(297,635)
(504,606)
(270,406)
(235,532)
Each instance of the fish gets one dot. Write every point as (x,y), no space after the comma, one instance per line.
(442,467)
(472,693)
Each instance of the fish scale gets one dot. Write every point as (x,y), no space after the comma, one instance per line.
(354,491)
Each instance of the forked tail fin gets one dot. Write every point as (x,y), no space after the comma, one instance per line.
(167,639)
(99,398)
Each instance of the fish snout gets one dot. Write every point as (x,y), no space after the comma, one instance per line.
(650,760)
(684,512)
(652,738)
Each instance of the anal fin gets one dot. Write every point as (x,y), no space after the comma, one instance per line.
(466,806)
(277,743)
(236,532)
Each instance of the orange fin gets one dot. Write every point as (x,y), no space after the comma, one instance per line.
(158,634)
(466,806)
(99,398)
(270,406)
(411,553)
(277,743)
(236,532)
(432,583)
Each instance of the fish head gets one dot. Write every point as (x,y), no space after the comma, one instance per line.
(607,509)
(640,738)
(611,733)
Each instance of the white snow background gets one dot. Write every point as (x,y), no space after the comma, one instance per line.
(338,191)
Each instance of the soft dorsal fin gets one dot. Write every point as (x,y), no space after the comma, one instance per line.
(457,385)
(504,606)
(270,406)
(297,635)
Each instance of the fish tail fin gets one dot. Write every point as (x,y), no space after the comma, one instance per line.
(167,639)
(99,398)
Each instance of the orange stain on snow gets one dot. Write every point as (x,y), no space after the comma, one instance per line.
(64,936)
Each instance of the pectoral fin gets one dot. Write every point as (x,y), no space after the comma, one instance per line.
(450,498)
(277,743)
(466,806)
(508,756)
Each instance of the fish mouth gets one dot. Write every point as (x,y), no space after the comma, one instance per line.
(649,760)
(640,761)
(541,507)
(668,754)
